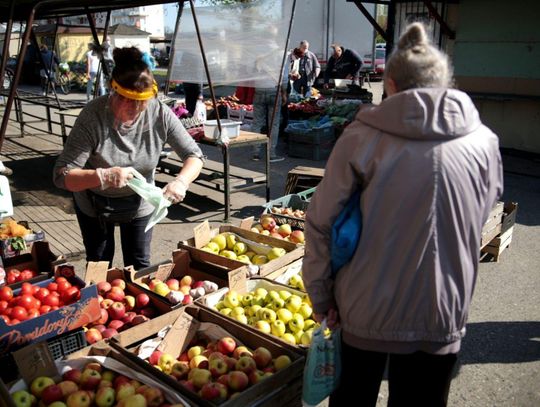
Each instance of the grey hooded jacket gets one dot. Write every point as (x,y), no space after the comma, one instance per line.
(429,172)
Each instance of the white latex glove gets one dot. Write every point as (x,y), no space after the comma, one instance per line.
(114,177)
(175,191)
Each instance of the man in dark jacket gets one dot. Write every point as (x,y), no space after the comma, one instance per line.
(343,64)
(307,69)
(49,61)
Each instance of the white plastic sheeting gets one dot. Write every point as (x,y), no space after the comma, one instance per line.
(244,44)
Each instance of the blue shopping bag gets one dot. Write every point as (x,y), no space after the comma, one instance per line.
(323,365)
(346,232)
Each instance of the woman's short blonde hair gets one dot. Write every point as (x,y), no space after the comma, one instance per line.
(415,63)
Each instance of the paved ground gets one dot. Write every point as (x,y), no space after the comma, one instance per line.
(500,361)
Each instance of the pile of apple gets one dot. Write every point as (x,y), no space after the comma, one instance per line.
(295,213)
(219,370)
(280,313)
(33,300)
(268,226)
(91,386)
(184,291)
(118,311)
(15,275)
(230,246)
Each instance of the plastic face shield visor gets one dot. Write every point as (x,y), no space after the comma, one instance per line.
(131,101)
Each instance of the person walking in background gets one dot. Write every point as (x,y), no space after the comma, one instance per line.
(305,69)
(428,172)
(49,62)
(343,64)
(92,69)
(112,136)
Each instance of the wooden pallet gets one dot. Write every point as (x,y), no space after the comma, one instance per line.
(493,225)
(302,178)
(502,240)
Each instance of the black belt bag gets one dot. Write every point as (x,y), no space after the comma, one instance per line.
(115,210)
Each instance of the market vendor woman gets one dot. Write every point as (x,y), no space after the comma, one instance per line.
(343,64)
(113,135)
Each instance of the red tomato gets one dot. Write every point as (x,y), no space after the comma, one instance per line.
(52,287)
(5,318)
(60,279)
(18,313)
(27,288)
(26,301)
(63,285)
(14,321)
(3,306)
(37,303)
(27,274)
(54,308)
(42,294)
(33,313)
(35,289)
(6,293)
(44,309)
(12,276)
(51,301)
(70,295)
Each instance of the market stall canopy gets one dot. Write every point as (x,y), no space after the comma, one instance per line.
(244,43)
(62,8)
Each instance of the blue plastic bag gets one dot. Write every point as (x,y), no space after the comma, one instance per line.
(346,232)
(323,366)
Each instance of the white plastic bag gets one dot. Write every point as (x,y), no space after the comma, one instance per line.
(200,111)
(151,194)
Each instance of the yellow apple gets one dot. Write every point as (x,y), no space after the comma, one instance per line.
(278,328)
(259,259)
(275,253)
(263,326)
(288,337)
(231,241)
(240,248)
(220,240)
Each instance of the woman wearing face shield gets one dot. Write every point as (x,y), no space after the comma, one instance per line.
(114,135)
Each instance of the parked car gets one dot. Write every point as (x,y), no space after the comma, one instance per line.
(377,71)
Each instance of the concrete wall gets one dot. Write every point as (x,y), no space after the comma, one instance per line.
(496,58)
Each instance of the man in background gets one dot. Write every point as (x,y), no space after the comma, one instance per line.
(343,64)
(305,69)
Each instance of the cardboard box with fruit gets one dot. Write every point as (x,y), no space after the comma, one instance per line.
(190,275)
(123,305)
(271,308)
(106,379)
(15,237)
(212,361)
(35,312)
(38,265)
(266,252)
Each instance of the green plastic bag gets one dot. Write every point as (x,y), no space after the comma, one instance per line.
(151,194)
(323,366)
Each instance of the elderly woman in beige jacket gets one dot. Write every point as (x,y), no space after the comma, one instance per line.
(429,172)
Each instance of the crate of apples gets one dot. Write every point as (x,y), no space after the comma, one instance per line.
(120,310)
(269,226)
(219,370)
(88,387)
(183,291)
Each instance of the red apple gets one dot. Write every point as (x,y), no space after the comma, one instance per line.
(90,379)
(139,319)
(93,335)
(215,392)
(226,345)
(173,284)
(68,387)
(238,381)
(154,357)
(148,312)
(119,380)
(106,303)
(116,294)
(103,287)
(187,299)
(262,357)
(116,324)
(104,317)
(142,300)
(246,364)
(109,333)
(297,236)
(73,375)
(118,282)
(117,310)
(129,302)
(198,284)
(154,397)
(51,394)
(100,328)
(128,318)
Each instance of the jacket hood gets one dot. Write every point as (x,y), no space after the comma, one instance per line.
(424,114)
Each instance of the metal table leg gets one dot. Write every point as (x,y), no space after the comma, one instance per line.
(63,128)
(227,187)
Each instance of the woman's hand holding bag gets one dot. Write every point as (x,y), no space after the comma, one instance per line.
(114,177)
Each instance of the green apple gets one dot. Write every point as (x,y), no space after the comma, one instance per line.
(252,320)
(241,318)
(258,300)
(296,323)
(263,326)
(268,315)
(213,246)
(105,397)
(261,292)
(281,362)
(220,305)
(272,295)
(293,303)
(259,259)
(288,337)
(246,300)
(295,280)
(278,328)
(250,254)
(306,337)
(240,248)
(237,311)
(309,323)
(305,310)
(22,398)
(276,304)
(207,249)
(298,336)
(284,294)
(221,241)
(162,289)
(39,384)
(284,315)
(231,300)
(244,259)
(252,310)
(225,311)
(231,241)
(275,253)
(228,254)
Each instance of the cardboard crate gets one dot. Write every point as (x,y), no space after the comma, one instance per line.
(211,300)
(54,323)
(190,320)
(187,260)
(40,260)
(8,247)
(493,225)
(203,234)
(101,353)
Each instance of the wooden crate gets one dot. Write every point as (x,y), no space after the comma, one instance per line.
(302,178)
(500,242)
(493,225)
